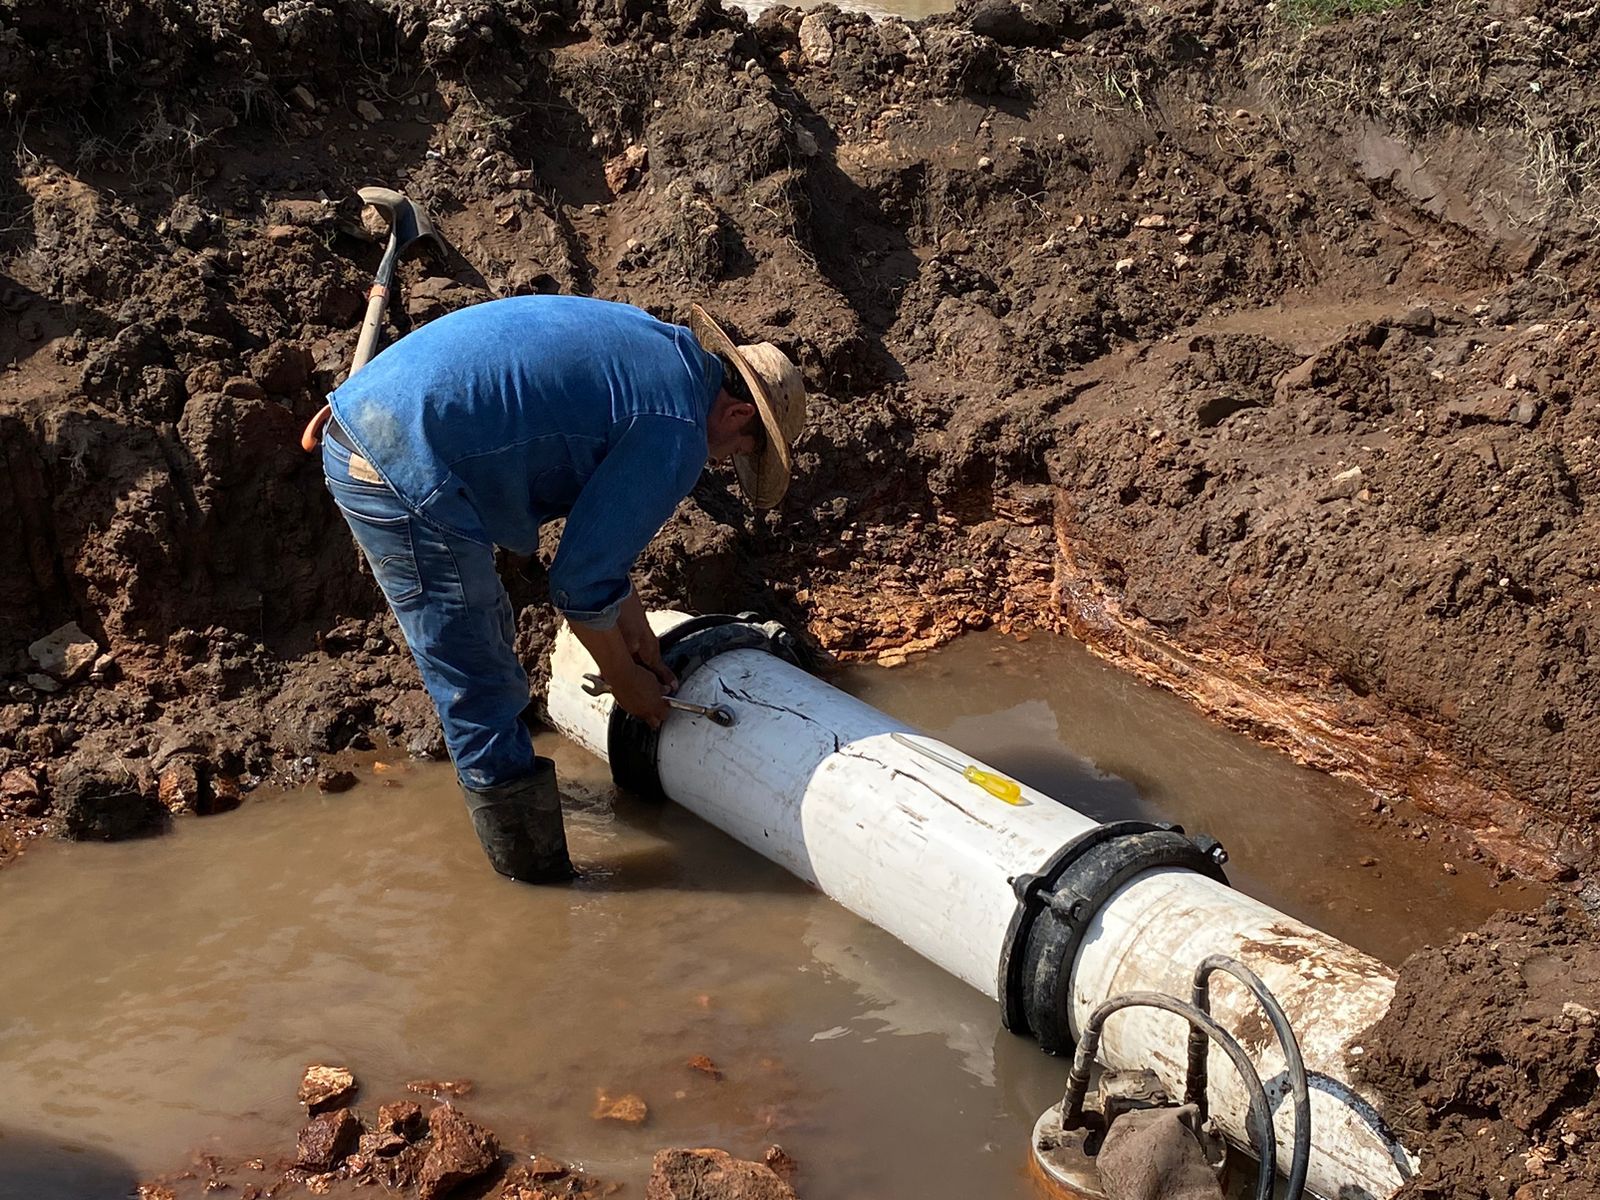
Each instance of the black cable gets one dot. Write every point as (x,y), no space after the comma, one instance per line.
(1258,1121)
(1294,1064)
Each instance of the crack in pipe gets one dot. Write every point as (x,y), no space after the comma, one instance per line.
(897,773)
(735,694)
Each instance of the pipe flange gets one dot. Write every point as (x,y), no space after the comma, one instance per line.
(685,648)
(1056,905)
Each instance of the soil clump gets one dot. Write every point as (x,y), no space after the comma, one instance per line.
(1488,1061)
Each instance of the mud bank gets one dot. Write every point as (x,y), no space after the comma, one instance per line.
(1254,352)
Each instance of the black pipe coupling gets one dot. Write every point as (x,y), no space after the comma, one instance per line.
(1056,905)
(685,648)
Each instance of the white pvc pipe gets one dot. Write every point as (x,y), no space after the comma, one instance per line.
(812,779)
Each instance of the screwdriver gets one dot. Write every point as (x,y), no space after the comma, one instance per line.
(998,786)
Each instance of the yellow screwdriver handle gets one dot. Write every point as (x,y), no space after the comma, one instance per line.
(997,786)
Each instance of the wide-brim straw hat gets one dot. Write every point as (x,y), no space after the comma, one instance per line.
(780,396)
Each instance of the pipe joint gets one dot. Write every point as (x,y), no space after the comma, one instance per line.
(686,647)
(1056,905)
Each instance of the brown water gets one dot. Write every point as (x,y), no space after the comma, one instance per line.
(163,996)
(910,10)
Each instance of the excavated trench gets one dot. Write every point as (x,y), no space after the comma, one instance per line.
(1253,345)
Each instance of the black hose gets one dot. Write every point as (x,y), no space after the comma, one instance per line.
(1294,1064)
(1258,1121)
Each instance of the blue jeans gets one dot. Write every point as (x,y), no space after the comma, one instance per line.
(456,618)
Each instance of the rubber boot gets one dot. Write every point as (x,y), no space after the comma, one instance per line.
(519,826)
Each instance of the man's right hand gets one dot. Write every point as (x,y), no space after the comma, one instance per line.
(639,692)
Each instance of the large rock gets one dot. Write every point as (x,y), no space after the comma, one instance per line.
(68,654)
(94,802)
(1011,23)
(327,1139)
(712,1175)
(816,41)
(460,1151)
(324,1087)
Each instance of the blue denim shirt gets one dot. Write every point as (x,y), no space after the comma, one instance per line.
(494,419)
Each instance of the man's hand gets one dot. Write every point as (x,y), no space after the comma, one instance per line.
(642,643)
(637,688)
(640,693)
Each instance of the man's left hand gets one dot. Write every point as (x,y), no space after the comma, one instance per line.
(642,641)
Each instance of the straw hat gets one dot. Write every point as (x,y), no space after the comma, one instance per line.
(780,397)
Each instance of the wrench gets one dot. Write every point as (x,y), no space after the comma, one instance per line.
(593,685)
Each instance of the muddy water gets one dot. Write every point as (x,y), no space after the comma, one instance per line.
(1049,713)
(162,997)
(910,10)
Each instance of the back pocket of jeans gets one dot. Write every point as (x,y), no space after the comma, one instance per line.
(390,552)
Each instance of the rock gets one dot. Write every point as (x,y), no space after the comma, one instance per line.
(188,224)
(300,96)
(225,795)
(783,1166)
(327,1139)
(806,142)
(440,1087)
(543,1167)
(19,794)
(324,1087)
(368,112)
(1420,319)
(1008,23)
(68,654)
(622,172)
(1342,486)
(705,1066)
(630,1109)
(380,1144)
(816,42)
(985,163)
(42,683)
(96,802)
(403,1117)
(179,788)
(334,782)
(105,669)
(460,1151)
(712,1175)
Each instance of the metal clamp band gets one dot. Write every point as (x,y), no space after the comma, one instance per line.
(1056,905)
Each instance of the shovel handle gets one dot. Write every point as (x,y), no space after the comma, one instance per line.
(377,301)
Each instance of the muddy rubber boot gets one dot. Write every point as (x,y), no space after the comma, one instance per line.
(519,826)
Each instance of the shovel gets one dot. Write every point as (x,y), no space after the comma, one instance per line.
(408,226)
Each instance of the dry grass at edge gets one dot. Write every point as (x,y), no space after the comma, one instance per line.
(1469,68)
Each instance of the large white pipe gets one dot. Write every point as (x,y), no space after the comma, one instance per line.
(812,779)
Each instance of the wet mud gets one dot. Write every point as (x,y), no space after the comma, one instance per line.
(1251,351)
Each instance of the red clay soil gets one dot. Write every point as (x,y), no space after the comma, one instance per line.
(1258,354)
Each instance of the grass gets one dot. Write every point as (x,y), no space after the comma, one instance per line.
(1320,12)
